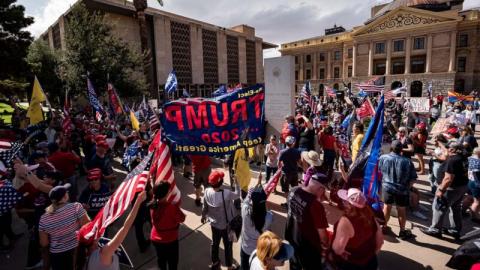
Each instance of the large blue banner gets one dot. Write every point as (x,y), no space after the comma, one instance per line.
(216,126)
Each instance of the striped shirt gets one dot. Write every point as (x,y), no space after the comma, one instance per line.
(61,227)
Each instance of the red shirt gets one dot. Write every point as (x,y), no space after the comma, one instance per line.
(200,163)
(166,220)
(65,162)
(327,141)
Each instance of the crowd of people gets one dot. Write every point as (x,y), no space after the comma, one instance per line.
(313,157)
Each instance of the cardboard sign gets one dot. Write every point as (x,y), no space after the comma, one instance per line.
(420,105)
(440,126)
(97,201)
(123,257)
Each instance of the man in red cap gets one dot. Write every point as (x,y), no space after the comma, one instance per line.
(201,170)
(102,162)
(99,190)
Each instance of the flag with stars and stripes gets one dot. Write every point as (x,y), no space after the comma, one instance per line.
(222,90)
(8,153)
(92,97)
(331,92)
(273,182)
(131,154)
(9,197)
(306,93)
(374,85)
(152,119)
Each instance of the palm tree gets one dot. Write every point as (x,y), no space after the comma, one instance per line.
(140,6)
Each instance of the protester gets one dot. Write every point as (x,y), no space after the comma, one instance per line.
(357,141)
(467,139)
(306,140)
(313,165)
(101,161)
(104,258)
(95,187)
(272,150)
(218,210)
(407,144)
(470,116)
(57,229)
(289,158)
(289,129)
(398,174)
(270,253)
(201,171)
(439,155)
(449,194)
(474,183)
(357,236)
(306,225)
(256,220)
(328,144)
(419,140)
(66,162)
(166,220)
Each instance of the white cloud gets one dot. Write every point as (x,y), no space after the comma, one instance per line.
(48,15)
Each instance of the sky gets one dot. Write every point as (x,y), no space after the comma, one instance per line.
(276,21)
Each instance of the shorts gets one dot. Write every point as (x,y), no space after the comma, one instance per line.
(474,188)
(399,200)
(201,178)
(419,150)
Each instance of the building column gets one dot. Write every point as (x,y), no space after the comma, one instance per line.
(370,59)
(242,59)
(259,60)
(314,66)
(428,66)
(354,60)
(222,57)
(196,50)
(388,62)
(453,48)
(408,51)
(329,68)
(163,47)
(300,67)
(344,60)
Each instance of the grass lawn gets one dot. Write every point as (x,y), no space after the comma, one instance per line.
(6,113)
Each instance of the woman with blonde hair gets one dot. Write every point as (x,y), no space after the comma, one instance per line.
(271,252)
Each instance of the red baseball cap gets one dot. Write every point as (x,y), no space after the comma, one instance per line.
(102,144)
(215,177)
(100,137)
(94,174)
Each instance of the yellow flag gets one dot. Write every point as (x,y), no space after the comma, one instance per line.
(134,120)
(35,112)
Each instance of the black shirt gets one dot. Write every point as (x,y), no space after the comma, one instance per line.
(307,139)
(456,165)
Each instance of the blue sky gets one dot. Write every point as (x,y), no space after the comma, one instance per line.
(276,21)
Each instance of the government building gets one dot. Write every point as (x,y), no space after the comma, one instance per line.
(410,42)
(203,55)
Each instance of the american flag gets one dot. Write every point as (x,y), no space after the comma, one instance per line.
(67,121)
(222,90)
(92,97)
(161,169)
(9,196)
(330,92)
(272,182)
(118,203)
(236,87)
(9,152)
(306,93)
(393,93)
(153,119)
(372,85)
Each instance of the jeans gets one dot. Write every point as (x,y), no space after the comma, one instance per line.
(244,260)
(218,235)
(63,260)
(453,198)
(269,172)
(167,255)
(6,227)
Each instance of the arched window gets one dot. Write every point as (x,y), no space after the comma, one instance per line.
(396,85)
(460,85)
(321,87)
(416,89)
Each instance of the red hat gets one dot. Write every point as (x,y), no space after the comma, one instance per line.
(102,144)
(452,130)
(215,177)
(421,125)
(100,137)
(94,174)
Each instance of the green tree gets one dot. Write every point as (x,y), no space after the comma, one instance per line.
(14,42)
(44,63)
(91,48)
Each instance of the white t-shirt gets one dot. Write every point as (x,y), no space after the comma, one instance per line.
(255,263)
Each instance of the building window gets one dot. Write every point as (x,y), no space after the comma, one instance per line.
(321,87)
(181,52)
(232,60)
(398,67)
(210,57)
(418,66)
(336,72)
(461,64)
(398,45)
(308,74)
(460,85)
(296,75)
(337,55)
(322,57)
(322,74)
(251,62)
(308,58)
(350,53)
(416,89)
(463,40)
(379,47)
(349,71)
(419,43)
(296,59)
(380,68)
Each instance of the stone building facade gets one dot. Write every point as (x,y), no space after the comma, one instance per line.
(410,42)
(203,55)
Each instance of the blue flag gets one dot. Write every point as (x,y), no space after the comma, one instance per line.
(92,97)
(371,176)
(130,154)
(185,93)
(222,90)
(171,83)
(346,121)
(362,93)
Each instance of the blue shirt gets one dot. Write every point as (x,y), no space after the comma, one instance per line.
(397,173)
(290,157)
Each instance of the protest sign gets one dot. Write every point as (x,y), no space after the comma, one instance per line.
(123,257)
(440,126)
(97,201)
(214,126)
(420,105)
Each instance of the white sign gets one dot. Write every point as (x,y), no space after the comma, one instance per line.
(279,91)
(420,105)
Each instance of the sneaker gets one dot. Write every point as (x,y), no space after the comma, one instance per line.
(198,202)
(431,232)
(453,233)
(406,234)
(38,265)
